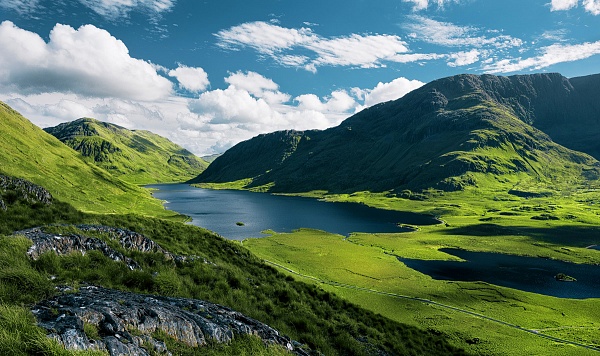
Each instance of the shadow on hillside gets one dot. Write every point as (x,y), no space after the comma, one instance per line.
(578,236)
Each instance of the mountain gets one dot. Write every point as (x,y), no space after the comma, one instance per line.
(32,154)
(138,157)
(449,134)
(211,158)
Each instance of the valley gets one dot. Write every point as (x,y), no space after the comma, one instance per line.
(346,274)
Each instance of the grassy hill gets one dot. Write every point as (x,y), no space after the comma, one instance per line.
(138,157)
(30,153)
(455,132)
(219,271)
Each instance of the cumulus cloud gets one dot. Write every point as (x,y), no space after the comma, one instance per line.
(192,79)
(216,119)
(355,50)
(559,5)
(383,92)
(114,9)
(460,59)
(550,55)
(592,6)
(87,61)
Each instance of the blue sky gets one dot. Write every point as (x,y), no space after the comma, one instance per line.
(209,74)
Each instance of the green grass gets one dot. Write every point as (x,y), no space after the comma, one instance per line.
(138,156)
(30,153)
(233,277)
(477,219)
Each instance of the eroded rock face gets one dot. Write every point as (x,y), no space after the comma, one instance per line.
(66,244)
(126,322)
(25,189)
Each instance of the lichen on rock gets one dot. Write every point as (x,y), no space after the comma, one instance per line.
(126,322)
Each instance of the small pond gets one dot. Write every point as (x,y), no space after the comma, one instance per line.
(222,210)
(524,273)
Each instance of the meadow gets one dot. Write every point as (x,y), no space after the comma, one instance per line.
(533,220)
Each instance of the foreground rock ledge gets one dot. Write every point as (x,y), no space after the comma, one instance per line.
(126,321)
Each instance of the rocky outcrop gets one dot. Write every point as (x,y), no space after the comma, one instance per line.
(124,323)
(24,189)
(66,244)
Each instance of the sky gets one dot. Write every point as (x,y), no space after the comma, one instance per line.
(209,74)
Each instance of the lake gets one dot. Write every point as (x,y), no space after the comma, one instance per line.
(529,274)
(221,210)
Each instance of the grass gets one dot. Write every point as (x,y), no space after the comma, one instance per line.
(476,219)
(137,157)
(232,277)
(31,154)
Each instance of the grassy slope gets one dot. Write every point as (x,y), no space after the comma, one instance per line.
(30,153)
(478,220)
(139,157)
(234,277)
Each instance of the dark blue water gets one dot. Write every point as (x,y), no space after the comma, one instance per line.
(220,210)
(525,273)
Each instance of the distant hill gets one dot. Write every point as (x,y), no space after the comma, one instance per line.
(211,158)
(27,152)
(449,134)
(139,157)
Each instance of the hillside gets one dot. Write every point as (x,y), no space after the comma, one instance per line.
(452,133)
(99,269)
(30,153)
(138,157)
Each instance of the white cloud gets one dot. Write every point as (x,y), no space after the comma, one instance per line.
(559,5)
(357,50)
(264,37)
(424,4)
(192,79)
(114,9)
(22,7)
(252,82)
(365,51)
(258,86)
(451,35)
(555,35)
(554,54)
(393,90)
(87,61)
(464,58)
(592,6)
(217,119)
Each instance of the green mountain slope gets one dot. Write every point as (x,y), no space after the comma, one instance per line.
(452,133)
(139,157)
(30,153)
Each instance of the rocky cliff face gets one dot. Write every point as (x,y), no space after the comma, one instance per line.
(125,322)
(15,189)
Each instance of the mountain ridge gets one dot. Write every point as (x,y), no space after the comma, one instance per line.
(32,154)
(442,135)
(136,156)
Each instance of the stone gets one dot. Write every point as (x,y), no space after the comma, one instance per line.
(118,314)
(26,190)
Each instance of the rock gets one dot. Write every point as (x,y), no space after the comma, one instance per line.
(118,314)
(66,244)
(25,190)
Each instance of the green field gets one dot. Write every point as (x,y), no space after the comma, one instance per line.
(557,226)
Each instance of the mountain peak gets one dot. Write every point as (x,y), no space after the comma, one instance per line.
(441,135)
(139,157)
